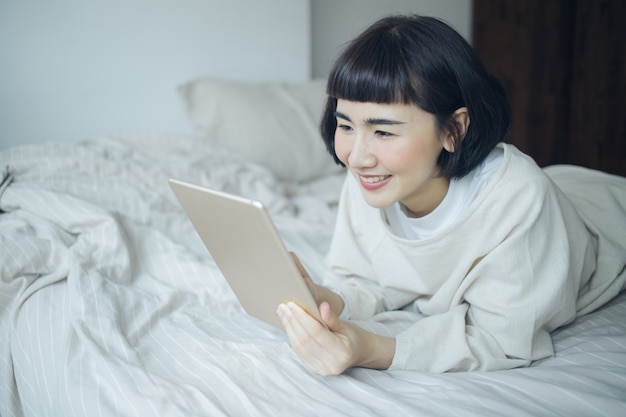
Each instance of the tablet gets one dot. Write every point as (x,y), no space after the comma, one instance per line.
(248,250)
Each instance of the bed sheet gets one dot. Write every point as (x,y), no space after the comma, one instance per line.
(111,306)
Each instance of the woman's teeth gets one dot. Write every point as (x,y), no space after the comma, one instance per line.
(371,180)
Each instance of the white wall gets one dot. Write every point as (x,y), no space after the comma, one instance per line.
(335,22)
(75,69)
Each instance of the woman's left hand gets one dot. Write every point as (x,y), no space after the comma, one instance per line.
(333,349)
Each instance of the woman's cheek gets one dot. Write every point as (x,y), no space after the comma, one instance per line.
(342,148)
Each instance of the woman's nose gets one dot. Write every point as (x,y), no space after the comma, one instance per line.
(361,155)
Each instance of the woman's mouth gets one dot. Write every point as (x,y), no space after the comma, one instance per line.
(374,182)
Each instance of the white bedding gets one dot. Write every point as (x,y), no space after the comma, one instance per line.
(110,305)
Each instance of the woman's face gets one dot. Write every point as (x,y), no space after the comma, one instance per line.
(392,151)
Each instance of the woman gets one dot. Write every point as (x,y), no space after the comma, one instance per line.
(440,217)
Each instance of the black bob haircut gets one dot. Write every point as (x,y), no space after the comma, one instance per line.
(422,61)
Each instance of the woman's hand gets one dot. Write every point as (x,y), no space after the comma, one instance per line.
(341,345)
(332,350)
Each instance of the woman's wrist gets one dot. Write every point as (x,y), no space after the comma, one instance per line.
(375,351)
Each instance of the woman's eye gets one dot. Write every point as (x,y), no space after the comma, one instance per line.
(344,128)
(383,134)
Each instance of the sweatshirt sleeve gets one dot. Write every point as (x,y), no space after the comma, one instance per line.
(349,267)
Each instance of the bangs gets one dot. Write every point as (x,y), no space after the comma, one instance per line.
(375,71)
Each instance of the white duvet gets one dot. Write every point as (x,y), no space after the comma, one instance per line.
(111,306)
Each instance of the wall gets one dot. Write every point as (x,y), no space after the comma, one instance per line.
(74,69)
(335,22)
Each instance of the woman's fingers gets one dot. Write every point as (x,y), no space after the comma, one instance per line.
(320,349)
(300,339)
(299,265)
(305,275)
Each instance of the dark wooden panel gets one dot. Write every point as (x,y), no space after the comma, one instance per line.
(598,86)
(563,65)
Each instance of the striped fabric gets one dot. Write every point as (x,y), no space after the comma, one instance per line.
(111,306)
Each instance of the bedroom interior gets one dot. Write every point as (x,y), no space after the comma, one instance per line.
(110,304)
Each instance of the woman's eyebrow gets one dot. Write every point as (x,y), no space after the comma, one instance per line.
(381,121)
(340,115)
(371,121)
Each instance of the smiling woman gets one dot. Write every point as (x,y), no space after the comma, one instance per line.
(392,149)
(111,305)
(441,217)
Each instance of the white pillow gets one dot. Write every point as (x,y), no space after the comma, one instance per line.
(272,124)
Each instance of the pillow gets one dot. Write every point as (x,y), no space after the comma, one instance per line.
(272,124)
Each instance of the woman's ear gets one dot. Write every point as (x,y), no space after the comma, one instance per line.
(459,123)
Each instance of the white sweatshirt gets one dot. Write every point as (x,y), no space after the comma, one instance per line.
(493,285)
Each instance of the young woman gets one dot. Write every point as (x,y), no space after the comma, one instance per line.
(439,216)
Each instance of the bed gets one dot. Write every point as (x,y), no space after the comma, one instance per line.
(111,306)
